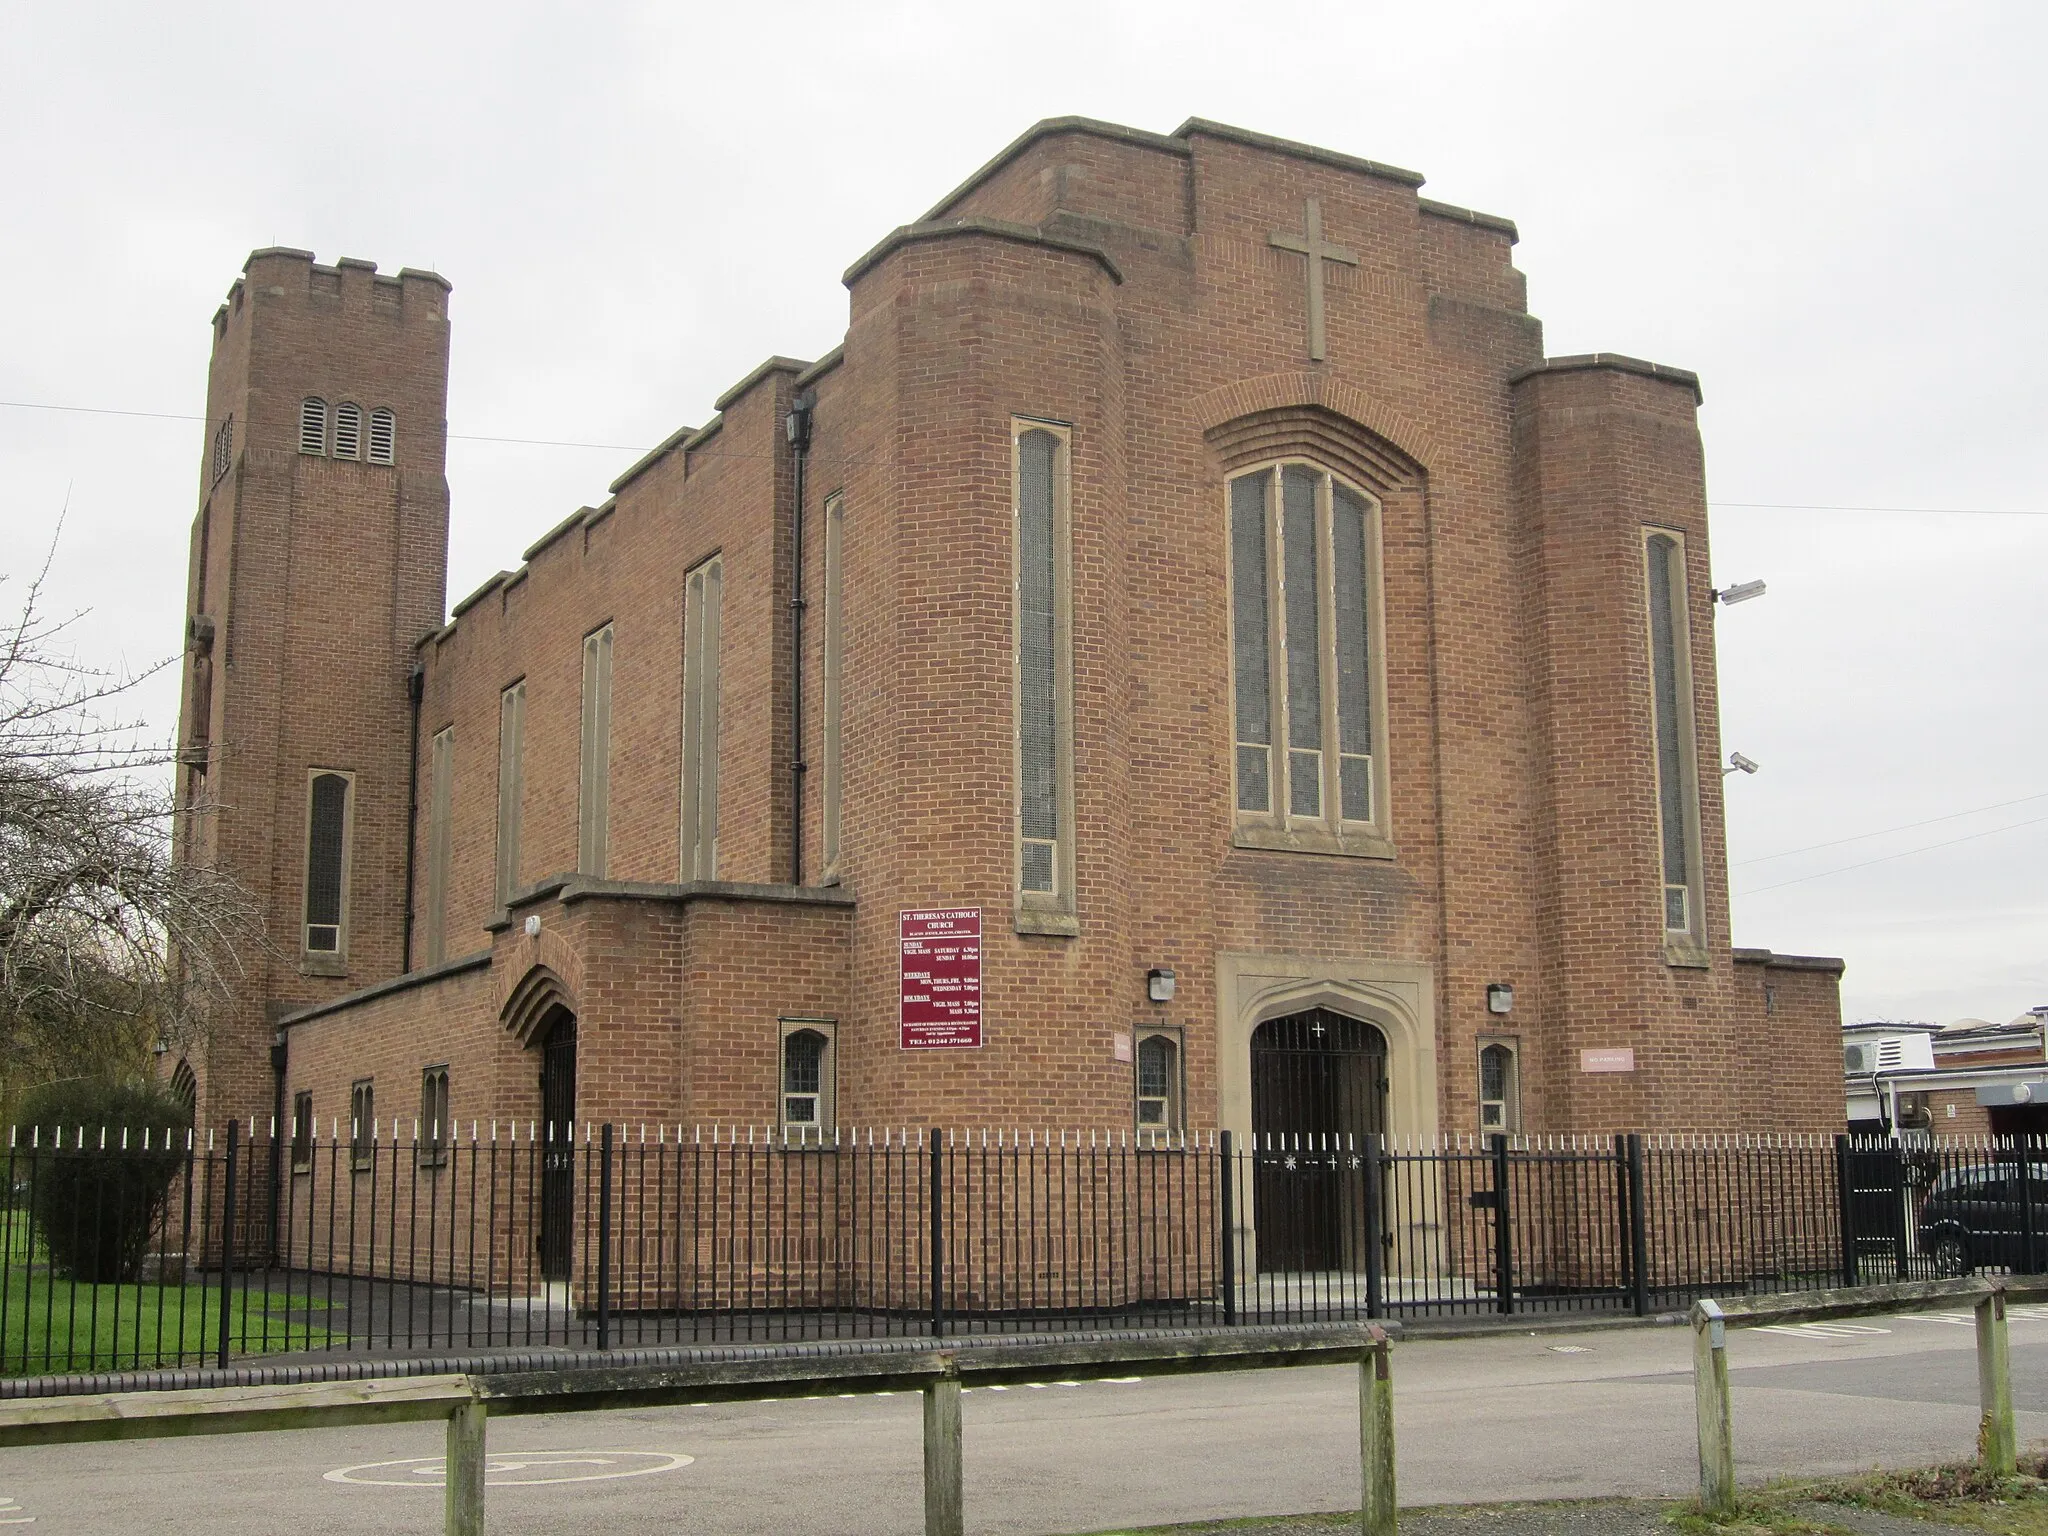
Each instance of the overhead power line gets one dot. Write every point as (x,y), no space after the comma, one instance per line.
(1809,506)
(1904,853)
(1765,858)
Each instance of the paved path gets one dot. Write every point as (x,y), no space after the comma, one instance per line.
(1519,1416)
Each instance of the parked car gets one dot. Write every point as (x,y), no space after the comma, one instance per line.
(1973,1219)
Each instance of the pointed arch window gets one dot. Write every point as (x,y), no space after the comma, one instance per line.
(348,430)
(313,426)
(1308,706)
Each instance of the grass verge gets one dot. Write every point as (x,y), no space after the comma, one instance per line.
(1953,1497)
(49,1326)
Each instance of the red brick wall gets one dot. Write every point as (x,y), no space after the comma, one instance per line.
(1523,807)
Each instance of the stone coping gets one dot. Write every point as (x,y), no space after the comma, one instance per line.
(1615,362)
(1780,962)
(425,976)
(997,229)
(568,889)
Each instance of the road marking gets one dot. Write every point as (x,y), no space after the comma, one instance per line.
(512,1469)
(1955,1319)
(10,1513)
(1570,1349)
(1824,1330)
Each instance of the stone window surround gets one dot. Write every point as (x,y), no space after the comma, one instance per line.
(1275,829)
(1052,912)
(440,842)
(511,785)
(1176,1096)
(698,850)
(1511,1106)
(324,962)
(798,1137)
(594,755)
(830,674)
(1687,948)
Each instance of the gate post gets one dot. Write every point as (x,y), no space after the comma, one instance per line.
(1638,1225)
(943,1484)
(935,1177)
(1711,1408)
(1376,1436)
(227,1244)
(1997,1444)
(2030,1218)
(1845,1207)
(1229,1174)
(1503,1241)
(1375,1240)
(462,1502)
(604,1238)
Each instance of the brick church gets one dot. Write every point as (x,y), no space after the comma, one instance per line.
(1187,660)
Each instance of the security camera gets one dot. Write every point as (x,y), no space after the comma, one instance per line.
(1737,761)
(1741,592)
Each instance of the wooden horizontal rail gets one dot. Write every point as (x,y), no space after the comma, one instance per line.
(1987,1299)
(466,1400)
(1869,1300)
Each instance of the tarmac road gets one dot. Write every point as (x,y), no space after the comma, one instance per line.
(1516,1416)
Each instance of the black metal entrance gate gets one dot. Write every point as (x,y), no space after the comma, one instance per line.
(1319,1090)
(558,1149)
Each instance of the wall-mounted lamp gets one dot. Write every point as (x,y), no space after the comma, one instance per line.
(1500,997)
(1741,592)
(1159,985)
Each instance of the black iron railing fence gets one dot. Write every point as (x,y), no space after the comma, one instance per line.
(200,1249)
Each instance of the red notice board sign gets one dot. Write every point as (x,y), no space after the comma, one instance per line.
(942,979)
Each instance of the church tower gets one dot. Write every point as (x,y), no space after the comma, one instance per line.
(319,559)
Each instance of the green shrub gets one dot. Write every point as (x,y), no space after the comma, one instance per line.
(96,1211)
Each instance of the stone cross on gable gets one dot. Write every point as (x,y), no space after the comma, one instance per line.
(1311,245)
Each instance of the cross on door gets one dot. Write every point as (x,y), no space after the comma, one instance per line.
(1312,246)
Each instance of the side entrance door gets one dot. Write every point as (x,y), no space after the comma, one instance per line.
(558,1148)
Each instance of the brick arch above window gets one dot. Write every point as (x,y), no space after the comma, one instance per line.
(1405,440)
(1321,436)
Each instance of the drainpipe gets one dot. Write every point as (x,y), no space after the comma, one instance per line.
(798,426)
(416,690)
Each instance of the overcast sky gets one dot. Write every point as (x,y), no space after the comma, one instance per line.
(1835,213)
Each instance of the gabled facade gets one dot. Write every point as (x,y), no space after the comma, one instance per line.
(1189,563)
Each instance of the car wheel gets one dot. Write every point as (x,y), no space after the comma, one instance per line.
(1951,1256)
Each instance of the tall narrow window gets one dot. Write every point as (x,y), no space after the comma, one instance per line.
(440,840)
(593,800)
(1158,1081)
(1499,1092)
(1678,815)
(1045,844)
(223,447)
(313,425)
(835,645)
(302,1132)
(703,596)
(511,785)
(383,436)
(348,430)
(1306,676)
(434,1133)
(806,1108)
(327,864)
(362,1122)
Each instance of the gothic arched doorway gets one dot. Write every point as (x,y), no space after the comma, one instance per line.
(558,1146)
(1319,1089)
